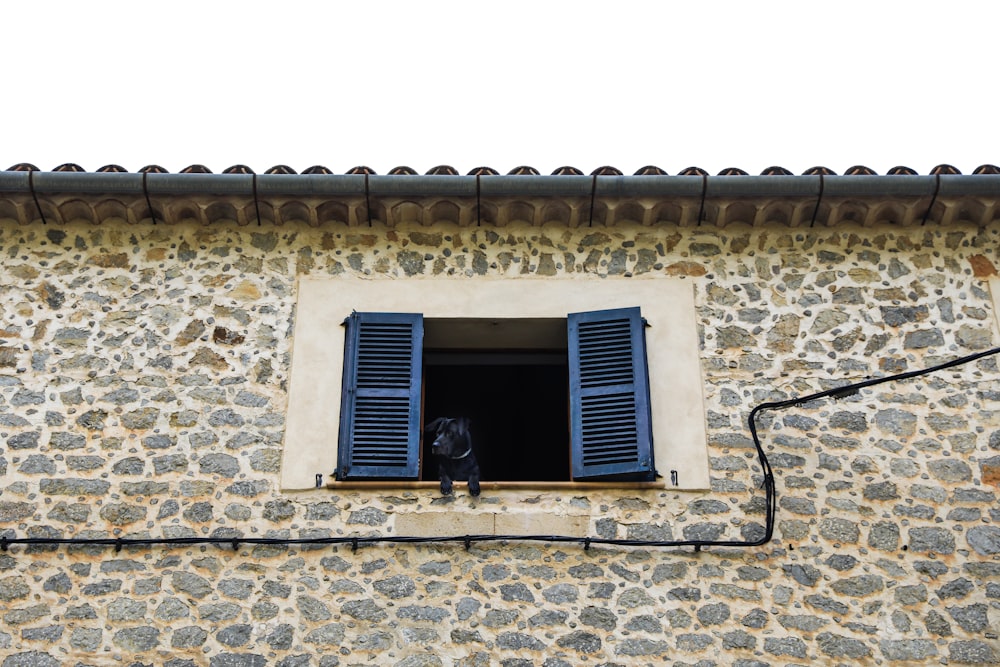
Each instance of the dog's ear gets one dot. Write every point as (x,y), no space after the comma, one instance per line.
(433,426)
(463,425)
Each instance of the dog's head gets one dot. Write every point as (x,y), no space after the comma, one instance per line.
(451,436)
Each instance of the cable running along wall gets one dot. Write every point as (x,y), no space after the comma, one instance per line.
(7,540)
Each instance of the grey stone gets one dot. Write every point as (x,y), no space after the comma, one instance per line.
(841,562)
(985,540)
(369,516)
(910,595)
(884,535)
(599,617)
(104,587)
(418,660)
(374,641)
(693,642)
(59,583)
(644,623)
(237,660)
(713,614)
(29,440)
(163,465)
(126,609)
(50,633)
(739,639)
(279,510)
(561,594)
(30,659)
(34,465)
(137,639)
(938,540)
(907,649)
(234,635)
(789,646)
(972,619)
(807,575)
(364,610)
(640,646)
(930,567)
(897,422)
(11,511)
(950,470)
(804,622)
(548,618)
(881,491)
(313,609)
(513,641)
(795,505)
(635,597)
(972,652)
(219,464)
(168,509)
(86,639)
(669,571)
(684,593)
(332,634)
(84,463)
(397,587)
(281,637)
(276,589)
(172,609)
(162,441)
(192,584)
(516,592)
(498,618)
(426,613)
(859,586)
(958,588)
(74,487)
(223,611)
(254,488)
(855,422)
(923,339)
(704,531)
(756,619)
(838,646)
(122,514)
(190,636)
(582,641)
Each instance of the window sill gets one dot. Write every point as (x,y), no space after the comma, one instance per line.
(494,486)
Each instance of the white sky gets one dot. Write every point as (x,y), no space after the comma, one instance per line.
(675,84)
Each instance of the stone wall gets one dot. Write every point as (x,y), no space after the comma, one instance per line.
(143,393)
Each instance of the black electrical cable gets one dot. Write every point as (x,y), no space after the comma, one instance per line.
(767,483)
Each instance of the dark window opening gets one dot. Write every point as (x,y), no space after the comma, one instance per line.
(518,406)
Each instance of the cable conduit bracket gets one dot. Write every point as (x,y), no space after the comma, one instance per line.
(34,196)
(819,199)
(256,202)
(930,207)
(701,204)
(145,194)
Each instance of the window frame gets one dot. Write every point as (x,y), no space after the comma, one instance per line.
(608,386)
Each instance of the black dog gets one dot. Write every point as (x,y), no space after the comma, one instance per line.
(453,447)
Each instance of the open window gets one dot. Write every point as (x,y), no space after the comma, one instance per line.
(550,399)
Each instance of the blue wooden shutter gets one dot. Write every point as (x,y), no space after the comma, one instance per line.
(380,406)
(609,395)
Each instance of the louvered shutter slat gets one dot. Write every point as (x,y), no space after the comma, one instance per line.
(380,410)
(609,395)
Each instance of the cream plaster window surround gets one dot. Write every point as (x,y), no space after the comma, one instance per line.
(667,305)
